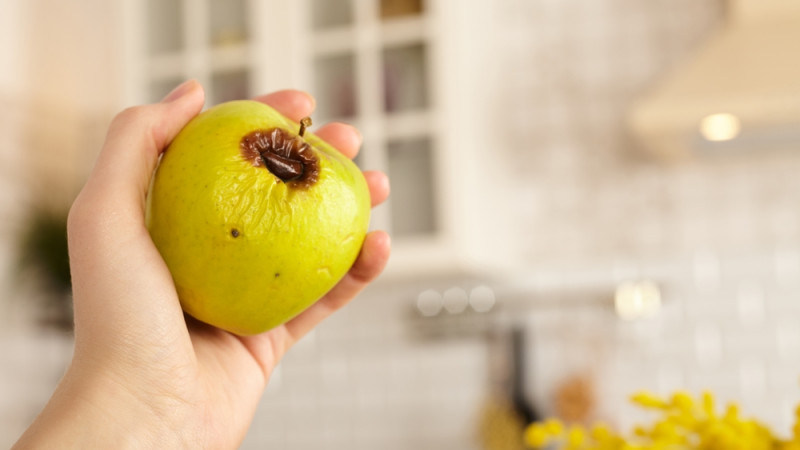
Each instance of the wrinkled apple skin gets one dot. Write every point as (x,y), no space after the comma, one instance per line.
(248,252)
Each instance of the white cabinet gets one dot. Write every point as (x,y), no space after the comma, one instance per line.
(408,73)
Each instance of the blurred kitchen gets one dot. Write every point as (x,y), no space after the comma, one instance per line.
(590,197)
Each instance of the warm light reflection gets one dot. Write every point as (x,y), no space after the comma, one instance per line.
(720,127)
(637,300)
(429,303)
(482,299)
(455,300)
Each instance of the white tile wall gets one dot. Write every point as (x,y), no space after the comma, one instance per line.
(390,394)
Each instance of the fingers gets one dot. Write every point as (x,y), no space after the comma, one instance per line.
(296,105)
(369,264)
(378,184)
(345,138)
(342,136)
(291,103)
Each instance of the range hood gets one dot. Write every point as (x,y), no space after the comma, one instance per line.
(739,92)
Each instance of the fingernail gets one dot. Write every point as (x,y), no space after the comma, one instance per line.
(179,91)
(359,136)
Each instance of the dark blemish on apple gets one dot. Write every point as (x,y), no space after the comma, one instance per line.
(287,156)
(277,274)
(234,232)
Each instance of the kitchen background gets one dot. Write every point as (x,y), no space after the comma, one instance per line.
(589,198)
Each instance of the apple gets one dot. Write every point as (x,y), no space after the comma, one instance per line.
(255,217)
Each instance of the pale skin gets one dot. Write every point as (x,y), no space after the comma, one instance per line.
(143,374)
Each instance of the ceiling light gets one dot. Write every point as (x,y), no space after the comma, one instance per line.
(720,127)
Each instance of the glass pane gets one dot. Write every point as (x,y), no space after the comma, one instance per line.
(228,22)
(164,26)
(404,77)
(160,88)
(331,13)
(226,86)
(335,87)
(398,8)
(412,201)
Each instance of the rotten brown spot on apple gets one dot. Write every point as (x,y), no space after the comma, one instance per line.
(289,157)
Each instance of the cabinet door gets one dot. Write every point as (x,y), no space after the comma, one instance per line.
(404,72)
(410,75)
(370,66)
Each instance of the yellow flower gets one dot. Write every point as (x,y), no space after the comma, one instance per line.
(708,404)
(732,414)
(554,427)
(576,436)
(536,436)
(682,401)
(648,400)
(685,423)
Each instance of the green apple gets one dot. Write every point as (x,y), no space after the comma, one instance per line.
(255,218)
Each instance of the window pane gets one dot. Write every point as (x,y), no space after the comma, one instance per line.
(160,88)
(164,26)
(335,87)
(228,22)
(227,86)
(405,79)
(331,13)
(412,201)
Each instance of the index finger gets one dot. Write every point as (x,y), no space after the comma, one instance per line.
(291,103)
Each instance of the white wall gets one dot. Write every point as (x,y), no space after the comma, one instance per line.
(59,85)
(12,43)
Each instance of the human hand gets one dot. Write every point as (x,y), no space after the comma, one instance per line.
(143,374)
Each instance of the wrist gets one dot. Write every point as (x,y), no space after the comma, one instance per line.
(99,412)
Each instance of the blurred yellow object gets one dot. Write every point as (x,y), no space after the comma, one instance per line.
(684,423)
(501,427)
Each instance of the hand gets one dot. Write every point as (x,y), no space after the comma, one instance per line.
(143,374)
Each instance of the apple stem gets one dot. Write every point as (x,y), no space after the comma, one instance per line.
(305,122)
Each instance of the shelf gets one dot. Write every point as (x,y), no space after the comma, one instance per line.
(410,164)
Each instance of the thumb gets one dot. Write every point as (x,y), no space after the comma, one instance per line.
(120,284)
(135,139)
